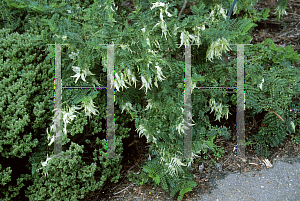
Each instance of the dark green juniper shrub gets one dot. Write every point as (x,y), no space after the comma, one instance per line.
(26,112)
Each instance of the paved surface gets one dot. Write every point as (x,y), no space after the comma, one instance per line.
(281,182)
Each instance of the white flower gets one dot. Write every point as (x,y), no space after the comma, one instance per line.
(216,48)
(69,11)
(128,107)
(89,107)
(162,24)
(157,4)
(45,163)
(180,127)
(51,141)
(218,109)
(168,14)
(175,165)
(78,74)
(146,83)
(141,130)
(69,116)
(159,73)
(119,81)
(293,125)
(163,27)
(72,55)
(148,41)
(260,85)
(222,11)
(50,136)
(280,11)
(154,139)
(184,39)
(134,80)
(149,105)
(185,36)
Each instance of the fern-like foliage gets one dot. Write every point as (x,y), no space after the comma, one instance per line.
(154,171)
(181,183)
(272,89)
(183,187)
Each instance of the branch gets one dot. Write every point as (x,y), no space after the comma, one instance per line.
(277,115)
(124,189)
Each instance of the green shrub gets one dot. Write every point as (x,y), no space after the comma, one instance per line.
(24,111)
(65,178)
(27,110)
(272,83)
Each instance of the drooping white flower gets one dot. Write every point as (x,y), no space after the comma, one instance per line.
(50,137)
(146,83)
(157,4)
(141,130)
(162,24)
(89,107)
(130,77)
(45,163)
(69,116)
(134,80)
(260,85)
(218,109)
(185,37)
(83,74)
(175,165)
(180,127)
(149,105)
(280,11)
(120,81)
(127,106)
(293,125)
(216,48)
(148,41)
(159,73)
(203,27)
(221,11)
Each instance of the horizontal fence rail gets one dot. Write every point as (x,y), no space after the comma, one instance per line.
(240,117)
(110,131)
(187,101)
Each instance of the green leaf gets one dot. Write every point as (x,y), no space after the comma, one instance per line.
(198,78)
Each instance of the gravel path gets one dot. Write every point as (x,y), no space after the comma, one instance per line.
(281,182)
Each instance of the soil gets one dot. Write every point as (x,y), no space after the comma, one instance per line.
(284,32)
